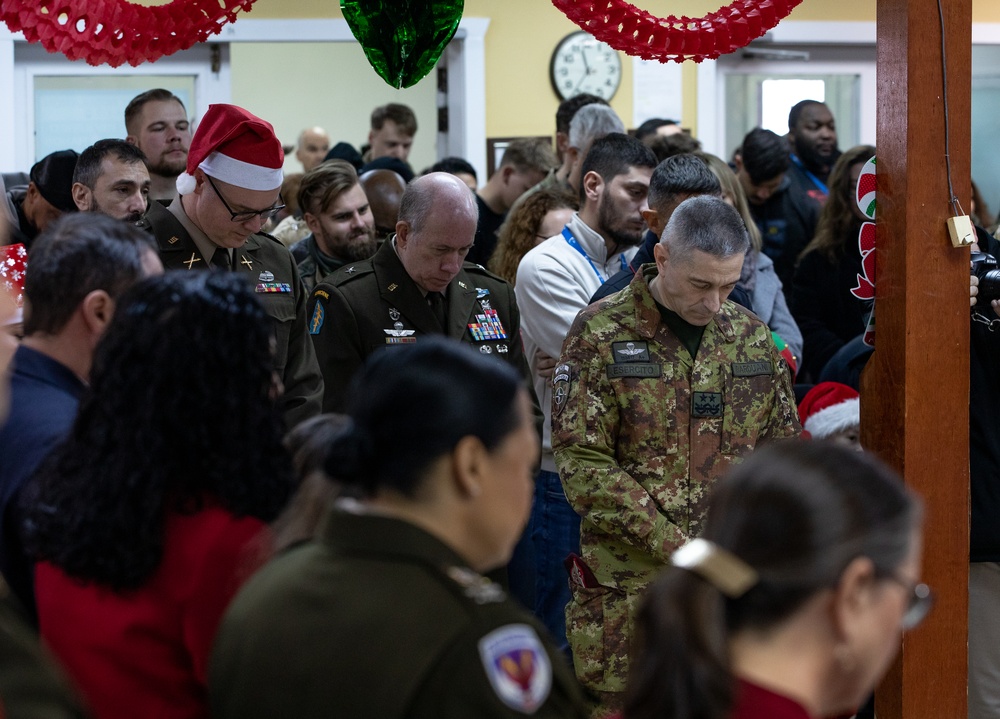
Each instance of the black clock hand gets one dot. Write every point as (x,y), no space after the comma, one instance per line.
(586,69)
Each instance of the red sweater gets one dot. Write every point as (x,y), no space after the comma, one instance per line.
(145,653)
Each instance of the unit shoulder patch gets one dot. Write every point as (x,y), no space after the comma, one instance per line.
(517,666)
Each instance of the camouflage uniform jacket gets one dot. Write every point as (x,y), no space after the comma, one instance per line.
(641,431)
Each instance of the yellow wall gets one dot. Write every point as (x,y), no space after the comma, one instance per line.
(523,33)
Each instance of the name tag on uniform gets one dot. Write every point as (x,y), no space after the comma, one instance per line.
(706,404)
(268,287)
(752,369)
(635,369)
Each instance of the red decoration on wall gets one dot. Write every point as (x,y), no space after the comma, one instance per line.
(113,32)
(641,34)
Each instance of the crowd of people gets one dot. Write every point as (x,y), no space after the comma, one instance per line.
(378,442)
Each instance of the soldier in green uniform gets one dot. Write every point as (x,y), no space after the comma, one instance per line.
(339,215)
(416,285)
(388,615)
(660,388)
(234,170)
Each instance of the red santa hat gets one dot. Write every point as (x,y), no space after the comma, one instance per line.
(828,408)
(234,146)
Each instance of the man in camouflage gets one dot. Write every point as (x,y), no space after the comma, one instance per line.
(659,390)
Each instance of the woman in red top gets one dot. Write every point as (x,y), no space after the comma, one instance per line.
(148,518)
(792,603)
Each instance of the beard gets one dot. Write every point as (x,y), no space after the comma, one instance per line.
(616,227)
(355,248)
(131,217)
(813,158)
(167,168)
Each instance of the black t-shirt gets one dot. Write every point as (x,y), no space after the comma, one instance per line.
(690,335)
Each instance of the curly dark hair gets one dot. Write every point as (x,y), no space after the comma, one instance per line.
(181,411)
(518,234)
(838,226)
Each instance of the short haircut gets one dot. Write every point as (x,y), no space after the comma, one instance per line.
(591,122)
(325,183)
(765,155)
(681,175)
(412,407)
(453,166)
(399,114)
(77,254)
(135,105)
(796,112)
(649,127)
(568,109)
(614,154)
(88,167)
(708,224)
(664,146)
(528,155)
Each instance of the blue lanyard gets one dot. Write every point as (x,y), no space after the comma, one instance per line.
(571,241)
(816,181)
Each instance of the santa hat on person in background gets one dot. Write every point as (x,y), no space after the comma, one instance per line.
(236,147)
(828,408)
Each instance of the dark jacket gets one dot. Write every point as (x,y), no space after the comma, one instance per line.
(270,268)
(45,395)
(372,304)
(984,426)
(381,619)
(787,223)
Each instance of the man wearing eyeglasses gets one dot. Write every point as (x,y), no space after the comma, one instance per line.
(229,190)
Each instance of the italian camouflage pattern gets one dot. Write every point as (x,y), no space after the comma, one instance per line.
(641,431)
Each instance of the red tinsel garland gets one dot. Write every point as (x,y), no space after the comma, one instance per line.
(113,32)
(636,32)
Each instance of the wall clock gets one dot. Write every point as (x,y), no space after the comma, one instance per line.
(582,64)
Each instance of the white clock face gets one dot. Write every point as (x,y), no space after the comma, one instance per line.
(582,64)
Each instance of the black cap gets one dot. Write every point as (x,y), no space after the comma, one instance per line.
(53,176)
(401,168)
(345,151)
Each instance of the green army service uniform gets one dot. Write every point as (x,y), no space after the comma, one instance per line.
(271,270)
(641,431)
(32,686)
(373,304)
(381,619)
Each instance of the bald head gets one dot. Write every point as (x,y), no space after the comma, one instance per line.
(436,228)
(384,189)
(312,147)
(440,192)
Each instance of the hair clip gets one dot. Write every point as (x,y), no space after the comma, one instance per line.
(720,568)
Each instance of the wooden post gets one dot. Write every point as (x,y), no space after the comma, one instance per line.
(915,390)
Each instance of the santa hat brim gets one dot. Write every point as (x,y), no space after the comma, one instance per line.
(233,171)
(836,418)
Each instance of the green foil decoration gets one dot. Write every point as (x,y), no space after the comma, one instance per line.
(403,39)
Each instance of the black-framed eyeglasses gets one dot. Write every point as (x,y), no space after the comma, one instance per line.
(918,604)
(248,215)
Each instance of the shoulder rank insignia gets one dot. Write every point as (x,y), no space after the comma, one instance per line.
(517,666)
(477,587)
